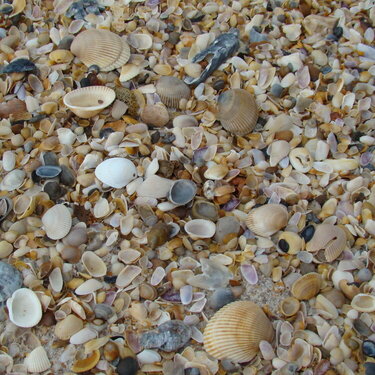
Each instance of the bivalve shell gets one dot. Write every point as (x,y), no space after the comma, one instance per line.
(289,306)
(24,205)
(200,228)
(363,302)
(93,264)
(301,159)
(88,287)
(235,331)
(37,360)
(171,90)
(182,192)
(307,286)
(238,111)
(67,327)
(140,41)
(83,365)
(57,222)
(155,114)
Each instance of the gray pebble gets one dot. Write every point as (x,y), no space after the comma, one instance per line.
(220,297)
(50,158)
(277,90)
(225,226)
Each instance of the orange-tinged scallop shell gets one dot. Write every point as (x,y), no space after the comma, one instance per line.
(101,47)
(238,111)
(307,286)
(171,90)
(83,365)
(235,331)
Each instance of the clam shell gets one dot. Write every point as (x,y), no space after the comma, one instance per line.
(307,286)
(363,302)
(267,219)
(57,222)
(93,264)
(37,360)
(329,237)
(13,180)
(116,172)
(83,365)
(171,90)
(238,111)
(155,114)
(87,102)
(88,287)
(56,280)
(67,327)
(102,48)
(24,205)
(235,331)
(182,192)
(25,309)
(140,41)
(127,275)
(200,228)
(289,306)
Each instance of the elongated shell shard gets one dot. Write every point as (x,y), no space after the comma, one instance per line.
(235,331)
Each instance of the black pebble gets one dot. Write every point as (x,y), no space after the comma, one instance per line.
(20,66)
(338,31)
(110,279)
(283,245)
(368,348)
(155,137)
(127,366)
(219,84)
(192,371)
(104,133)
(307,233)
(85,82)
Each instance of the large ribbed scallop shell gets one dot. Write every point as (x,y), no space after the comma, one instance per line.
(329,237)
(171,90)
(101,47)
(267,219)
(235,331)
(238,111)
(307,286)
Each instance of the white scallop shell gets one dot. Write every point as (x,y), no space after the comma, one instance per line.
(57,222)
(116,172)
(37,360)
(25,309)
(89,286)
(93,264)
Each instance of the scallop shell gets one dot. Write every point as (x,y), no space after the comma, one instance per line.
(289,306)
(182,192)
(235,331)
(37,360)
(102,48)
(25,309)
(363,302)
(93,264)
(307,286)
(171,90)
(329,237)
(155,114)
(200,228)
(87,102)
(116,172)
(267,219)
(57,222)
(238,111)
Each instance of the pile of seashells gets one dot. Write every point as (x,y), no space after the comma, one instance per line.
(187,187)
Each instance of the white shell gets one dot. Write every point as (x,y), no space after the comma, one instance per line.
(127,275)
(154,187)
(9,160)
(82,336)
(25,309)
(88,287)
(93,264)
(200,228)
(37,360)
(116,172)
(56,280)
(13,180)
(57,222)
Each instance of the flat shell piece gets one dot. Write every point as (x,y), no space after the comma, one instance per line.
(127,275)
(88,287)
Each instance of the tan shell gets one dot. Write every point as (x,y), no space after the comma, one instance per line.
(93,264)
(235,331)
(171,90)
(294,241)
(364,302)
(238,111)
(289,306)
(307,286)
(87,102)
(101,47)
(24,205)
(37,360)
(155,114)
(267,219)
(68,327)
(330,238)
(57,222)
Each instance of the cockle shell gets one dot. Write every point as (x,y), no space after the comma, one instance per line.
(289,306)
(238,111)
(171,90)
(37,360)
(116,172)
(200,228)
(57,222)
(88,101)
(155,114)
(25,309)
(307,286)
(364,302)
(102,48)
(235,331)
(93,264)
(267,219)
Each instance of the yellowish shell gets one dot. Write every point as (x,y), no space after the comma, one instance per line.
(101,47)
(268,219)
(235,331)
(238,111)
(364,302)
(289,306)
(83,365)
(306,287)
(171,90)
(294,241)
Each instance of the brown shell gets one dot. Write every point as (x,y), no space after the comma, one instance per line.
(101,47)
(171,90)
(235,331)
(307,286)
(289,306)
(330,238)
(238,111)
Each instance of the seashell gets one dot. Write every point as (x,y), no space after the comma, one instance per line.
(155,114)
(226,226)
(290,242)
(57,222)
(127,275)
(83,365)
(301,159)
(171,90)
(268,219)
(61,56)
(237,111)
(307,286)
(116,172)
(25,309)
(148,292)
(6,205)
(37,360)
(158,235)
(13,106)
(184,121)
(205,210)
(129,256)
(330,238)
(67,327)
(216,172)
(235,331)
(9,160)
(289,306)
(66,136)
(154,187)
(93,264)
(88,101)
(329,309)
(102,48)
(48,171)
(200,228)
(182,192)
(76,237)
(10,281)
(363,302)
(56,280)
(277,151)
(349,290)
(129,71)
(18,7)
(88,287)
(82,336)
(140,41)
(13,180)
(103,311)
(24,205)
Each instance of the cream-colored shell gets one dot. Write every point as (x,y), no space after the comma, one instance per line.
(57,222)
(200,228)
(364,302)
(307,286)
(37,360)
(93,264)
(171,90)
(235,331)
(67,327)
(289,306)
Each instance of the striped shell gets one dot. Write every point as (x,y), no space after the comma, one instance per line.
(101,47)
(57,222)
(235,331)
(238,111)
(171,90)
(307,286)
(37,360)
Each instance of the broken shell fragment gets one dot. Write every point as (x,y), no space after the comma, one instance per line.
(88,287)
(200,228)
(171,90)
(301,159)
(67,327)
(83,365)
(204,210)
(235,331)
(307,286)
(57,222)
(37,360)
(363,302)
(93,264)
(182,192)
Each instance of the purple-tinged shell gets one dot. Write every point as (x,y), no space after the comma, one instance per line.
(365,158)
(231,205)
(249,273)
(152,3)
(171,296)
(198,306)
